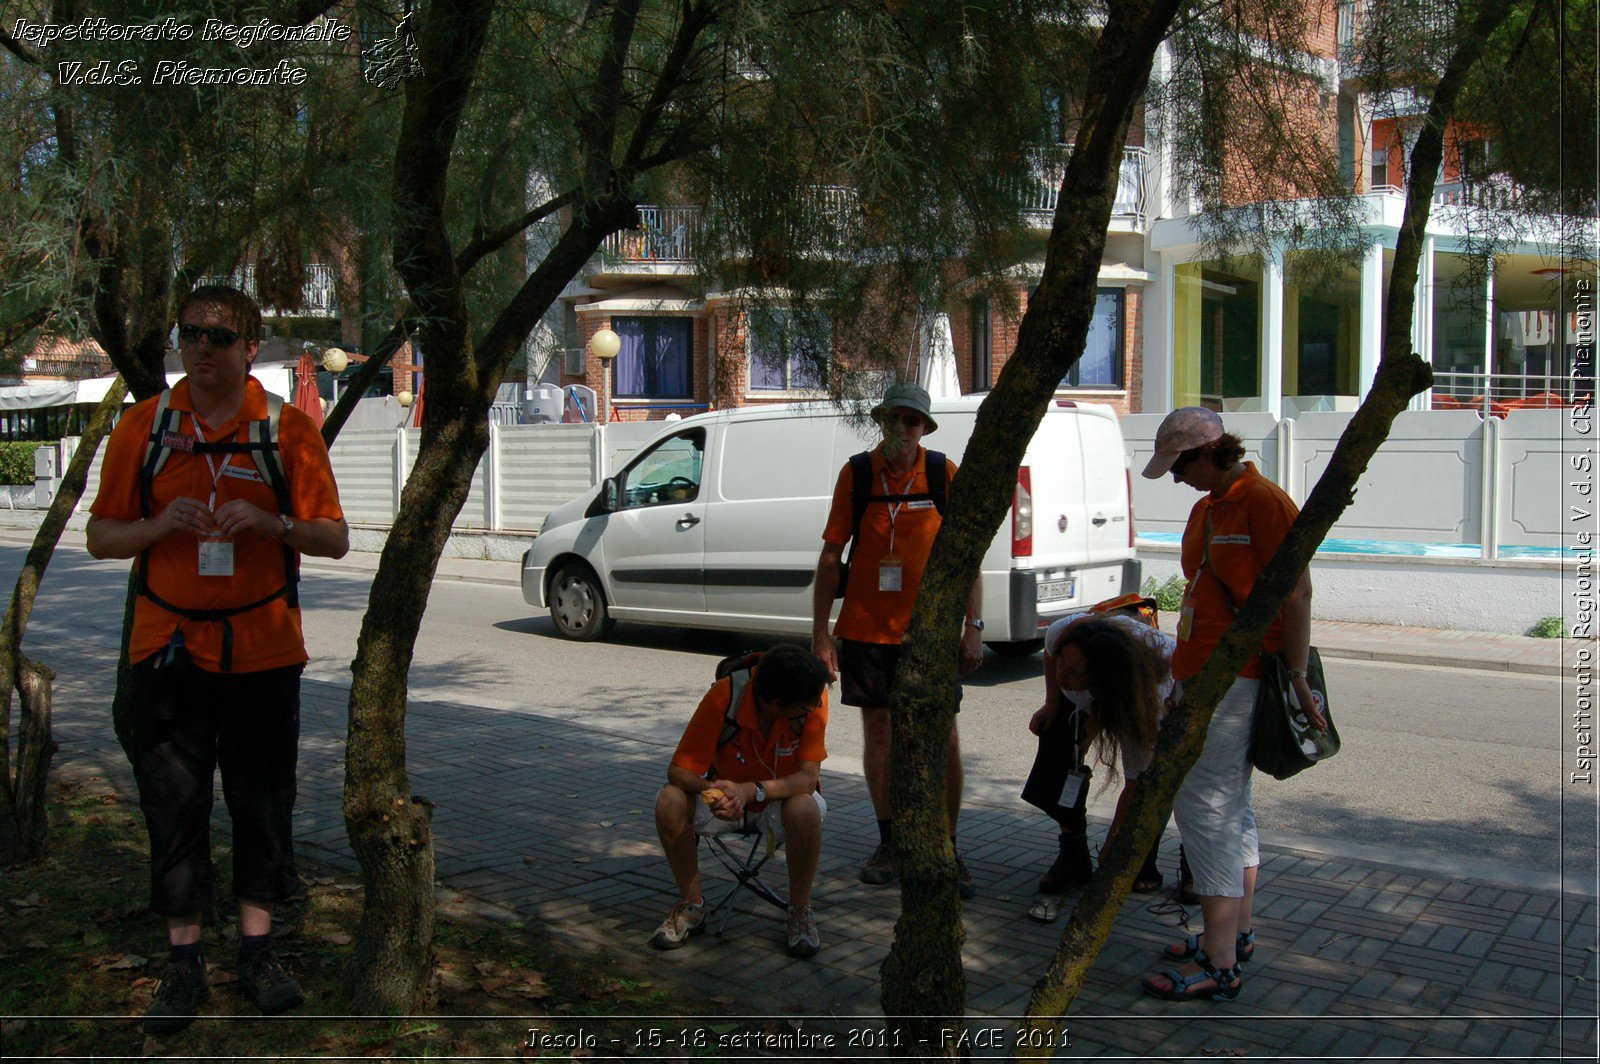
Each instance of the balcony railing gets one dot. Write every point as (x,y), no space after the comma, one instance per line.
(1509,391)
(1430,20)
(318,296)
(666,235)
(1049,166)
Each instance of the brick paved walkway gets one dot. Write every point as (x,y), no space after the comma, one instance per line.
(551,819)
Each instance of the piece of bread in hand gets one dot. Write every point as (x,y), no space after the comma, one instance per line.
(711,796)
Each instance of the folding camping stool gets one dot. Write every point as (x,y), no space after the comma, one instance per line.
(746,870)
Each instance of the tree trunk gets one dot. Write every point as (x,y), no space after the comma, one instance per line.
(390,968)
(22,795)
(1401,375)
(923,986)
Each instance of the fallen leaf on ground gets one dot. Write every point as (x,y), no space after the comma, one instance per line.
(25,903)
(130,960)
(337,938)
(36,943)
(490,986)
(527,860)
(580,860)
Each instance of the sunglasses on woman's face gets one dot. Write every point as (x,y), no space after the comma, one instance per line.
(908,419)
(218,336)
(1182,462)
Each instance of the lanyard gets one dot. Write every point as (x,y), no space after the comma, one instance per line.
(894,510)
(216,471)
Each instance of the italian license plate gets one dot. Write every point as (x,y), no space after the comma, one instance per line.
(1055,589)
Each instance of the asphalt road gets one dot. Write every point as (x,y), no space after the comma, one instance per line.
(1451,770)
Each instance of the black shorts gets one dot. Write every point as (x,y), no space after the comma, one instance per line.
(866,671)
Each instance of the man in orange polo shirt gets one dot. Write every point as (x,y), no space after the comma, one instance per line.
(886,567)
(764,770)
(216,647)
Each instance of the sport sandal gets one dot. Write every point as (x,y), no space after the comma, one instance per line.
(1245,947)
(1187,987)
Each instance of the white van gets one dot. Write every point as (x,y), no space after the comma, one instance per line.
(717,523)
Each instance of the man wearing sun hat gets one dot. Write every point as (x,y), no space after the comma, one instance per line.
(903,512)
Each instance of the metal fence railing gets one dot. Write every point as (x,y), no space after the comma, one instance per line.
(319,297)
(1496,393)
(665,235)
(1041,188)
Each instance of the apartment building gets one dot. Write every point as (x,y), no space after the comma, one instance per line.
(1172,326)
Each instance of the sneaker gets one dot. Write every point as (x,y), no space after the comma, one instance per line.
(268,985)
(686,918)
(803,938)
(183,987)
(964,884)
(879,869)
(1072,867)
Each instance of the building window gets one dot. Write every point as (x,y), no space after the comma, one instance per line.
(1380,168)
(982,352)
(1101,364)
(657,358)
(787,354)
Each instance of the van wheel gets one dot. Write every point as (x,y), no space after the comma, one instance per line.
(577,604)
(1020,648)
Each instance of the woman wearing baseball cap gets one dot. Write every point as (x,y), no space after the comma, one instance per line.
(1231,535)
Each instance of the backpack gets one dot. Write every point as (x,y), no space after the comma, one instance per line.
(738,668)
(861,494)
(262,446)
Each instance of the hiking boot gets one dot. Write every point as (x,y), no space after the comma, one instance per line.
(686,918)
(1072,867)
(879,869)
(267,984)
(803,938)
(964,884)
(183,987)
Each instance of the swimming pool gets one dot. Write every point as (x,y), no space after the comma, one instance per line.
(1399,548)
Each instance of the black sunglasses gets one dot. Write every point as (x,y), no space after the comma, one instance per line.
(910,419)
(1180,463)
(218,336)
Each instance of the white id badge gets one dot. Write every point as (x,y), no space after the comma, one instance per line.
(1185,620)
(1072,790)
(890,575)
(216,556)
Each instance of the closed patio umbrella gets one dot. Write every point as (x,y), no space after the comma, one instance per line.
(305,389)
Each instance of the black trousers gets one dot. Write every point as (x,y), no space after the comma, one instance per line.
(187,723)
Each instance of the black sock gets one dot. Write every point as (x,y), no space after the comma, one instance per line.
(886,831)
(250,945)
(189,954)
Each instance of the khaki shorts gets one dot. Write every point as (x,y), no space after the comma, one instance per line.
(769,820)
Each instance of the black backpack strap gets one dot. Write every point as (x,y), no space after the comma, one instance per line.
(938,480)
(860,495)
(165,426)
(738,680)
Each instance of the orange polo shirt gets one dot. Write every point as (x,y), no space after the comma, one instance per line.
(751,756)
(869,615)
(1247,525)
(268,636)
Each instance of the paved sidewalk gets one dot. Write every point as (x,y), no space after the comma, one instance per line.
(552,819)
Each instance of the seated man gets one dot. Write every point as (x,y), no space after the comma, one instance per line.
(758,760)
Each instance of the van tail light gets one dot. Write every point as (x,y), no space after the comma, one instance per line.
(1022,515)
(1129,474)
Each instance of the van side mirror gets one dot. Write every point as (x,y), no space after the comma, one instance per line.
(611,495)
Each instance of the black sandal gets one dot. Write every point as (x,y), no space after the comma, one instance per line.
(1189,947)
(1183,988)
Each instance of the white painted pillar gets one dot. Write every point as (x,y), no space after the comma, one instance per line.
(1160,350)
(1422,320)
(491,481)
(1271,376)
(1489,514)
(1488,337)
(401,466)
(1371,347)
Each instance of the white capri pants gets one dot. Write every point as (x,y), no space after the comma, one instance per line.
(1212,808)
(769,820)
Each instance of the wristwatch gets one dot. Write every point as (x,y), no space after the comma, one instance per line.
(761,792)
(977,623)
(288,525)
(1297,674)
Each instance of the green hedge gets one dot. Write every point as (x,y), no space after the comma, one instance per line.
(16,461)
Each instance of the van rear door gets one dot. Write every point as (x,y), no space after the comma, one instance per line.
(1105,489)
(1060,517)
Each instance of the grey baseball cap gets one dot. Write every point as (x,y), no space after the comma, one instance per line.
(909,396)
(1182,430)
